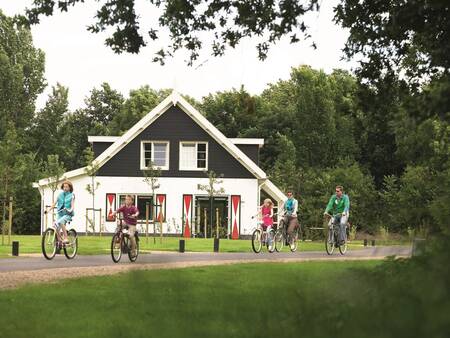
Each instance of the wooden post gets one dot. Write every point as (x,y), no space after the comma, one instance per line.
(10,219)
(205,222)
(100,222)
(197,220)
(154,223)
(86,223)
(217,222)
(147,207)
(3,221)
(161,228)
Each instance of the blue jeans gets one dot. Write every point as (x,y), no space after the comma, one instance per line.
(342,223)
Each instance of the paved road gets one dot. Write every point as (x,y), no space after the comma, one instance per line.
(39,263)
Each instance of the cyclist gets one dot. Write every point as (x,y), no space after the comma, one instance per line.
(65,204)
(266,211)
(130,214)
(290,208)
(339,206)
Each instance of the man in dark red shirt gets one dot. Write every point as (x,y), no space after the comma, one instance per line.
(130,214)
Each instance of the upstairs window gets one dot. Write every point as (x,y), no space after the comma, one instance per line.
(193,156)
(156,152)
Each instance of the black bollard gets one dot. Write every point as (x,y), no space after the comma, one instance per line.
(181,248)
(365,242)
(373,242)
(216,245)
(15,248)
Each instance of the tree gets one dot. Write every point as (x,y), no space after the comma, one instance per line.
(151,174)
(233,112)
(48,122)
(91,170)
(21,75)
(407,37)
(140,103)
(54,170)
(103,104)
(211,190)
(228,22)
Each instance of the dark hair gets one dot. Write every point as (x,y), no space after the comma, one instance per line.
(69,184)
(340,187)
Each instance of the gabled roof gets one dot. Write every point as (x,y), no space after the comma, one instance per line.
(175,99)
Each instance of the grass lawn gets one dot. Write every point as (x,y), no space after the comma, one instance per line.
(311,299)
(92,245)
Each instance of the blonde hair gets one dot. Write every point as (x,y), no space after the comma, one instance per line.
(268,200)
(131,197)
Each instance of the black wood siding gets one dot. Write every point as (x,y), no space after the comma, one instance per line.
(174,126)
(251,150)
(100,147)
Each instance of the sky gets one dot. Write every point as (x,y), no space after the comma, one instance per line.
(80,61)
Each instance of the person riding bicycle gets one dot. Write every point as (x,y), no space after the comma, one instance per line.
(130,214)
(266,211)
(339,206)
(290,208)
(65,204)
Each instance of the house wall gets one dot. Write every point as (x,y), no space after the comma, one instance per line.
(100,147)
(173,187)
(174,126)
(251,150)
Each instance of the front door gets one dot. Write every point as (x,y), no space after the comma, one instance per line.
(204,227)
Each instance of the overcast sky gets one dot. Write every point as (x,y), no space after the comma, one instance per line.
(81,61)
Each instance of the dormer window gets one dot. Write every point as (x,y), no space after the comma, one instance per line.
(156,152)
(193,155)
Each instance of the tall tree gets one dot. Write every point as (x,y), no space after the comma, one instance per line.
(48,122)
(21,75)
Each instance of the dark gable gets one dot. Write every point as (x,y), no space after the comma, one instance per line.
(174,126)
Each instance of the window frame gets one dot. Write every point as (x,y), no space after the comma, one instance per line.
(152,142)
(181,168)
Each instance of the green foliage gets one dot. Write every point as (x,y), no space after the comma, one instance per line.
(227,22)
(408,37)
(21,75)
(407,200)
(54,170)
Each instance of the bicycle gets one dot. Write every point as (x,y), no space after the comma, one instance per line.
(52,240)
(282,237)
(121,243)
(261,237)
(331,240)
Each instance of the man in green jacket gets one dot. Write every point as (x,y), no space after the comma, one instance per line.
(339,207)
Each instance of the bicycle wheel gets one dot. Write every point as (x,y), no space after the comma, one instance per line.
(279,240)
(71,249)
(343,248)
(130,254)
(271,241)
(49,243)
(256,241)
(116,248)
(293,241)
(329,242)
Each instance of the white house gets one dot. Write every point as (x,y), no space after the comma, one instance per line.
(184,145)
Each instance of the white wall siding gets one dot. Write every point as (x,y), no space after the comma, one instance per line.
(173,187)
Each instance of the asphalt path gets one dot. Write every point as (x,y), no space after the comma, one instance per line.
(170,258)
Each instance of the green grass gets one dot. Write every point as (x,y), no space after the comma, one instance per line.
(313,299)
(93,245)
